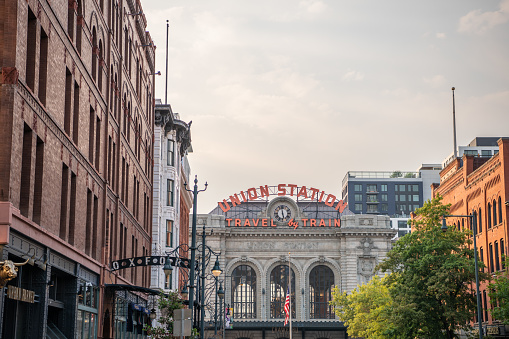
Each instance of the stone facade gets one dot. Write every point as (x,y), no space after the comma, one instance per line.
(350,251)
(170,219)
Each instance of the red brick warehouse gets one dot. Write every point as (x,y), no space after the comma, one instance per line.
(481,186)
(76,122)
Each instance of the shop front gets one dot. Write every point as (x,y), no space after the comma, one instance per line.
(50,296)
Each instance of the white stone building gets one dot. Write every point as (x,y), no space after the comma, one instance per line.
(172,142)
(257,229)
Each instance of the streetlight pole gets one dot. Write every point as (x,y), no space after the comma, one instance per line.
(474,227)
(215,313)
(193,239)
(202,299)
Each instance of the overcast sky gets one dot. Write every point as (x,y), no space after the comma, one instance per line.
(301,92)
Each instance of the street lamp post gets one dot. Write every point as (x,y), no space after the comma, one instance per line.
(220,294)
(193,239)
(216,272)
(474,227)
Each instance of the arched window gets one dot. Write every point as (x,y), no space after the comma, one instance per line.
(79,25)
(136,135)
(321,280)
(479,225)
(95,53)
(124,106)
(499,209)
(494,212)
(244,292)
(111,77)
(489,215)
(278,289)
(129,122)
(100,70)
(474,220)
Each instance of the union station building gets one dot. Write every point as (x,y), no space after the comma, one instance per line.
(273,236)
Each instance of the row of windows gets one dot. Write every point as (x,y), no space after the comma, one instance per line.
(384,188)
(244,292)
(484,152)
(73,118)
(493,215)
(385,208)
(384,197)
(403,197)
(496,256)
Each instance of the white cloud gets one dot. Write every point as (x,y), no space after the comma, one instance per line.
(313,6)
(306,10)
(479,22)
(435,81)
(353,76)
(440,36)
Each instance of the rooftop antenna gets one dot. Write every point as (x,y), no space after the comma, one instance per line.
(454,124)
(166,85)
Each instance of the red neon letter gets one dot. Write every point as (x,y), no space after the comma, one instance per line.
(237,222)
(251,194)
(321,196)
(282,190)
(264,222)
(225,209)
(293,187)
(229,221)
(340,206)
(303,192)
(330,200)
(264,191)
(234,199)
(337,222)
(243,196)
(314,191)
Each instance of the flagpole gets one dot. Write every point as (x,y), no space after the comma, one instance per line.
(290,289)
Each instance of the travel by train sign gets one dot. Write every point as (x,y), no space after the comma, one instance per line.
(283,212)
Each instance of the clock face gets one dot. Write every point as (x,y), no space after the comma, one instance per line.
(282,213)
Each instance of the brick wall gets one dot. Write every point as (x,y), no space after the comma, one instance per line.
(43,44)
(476,189)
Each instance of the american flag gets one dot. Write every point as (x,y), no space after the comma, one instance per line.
(287,306)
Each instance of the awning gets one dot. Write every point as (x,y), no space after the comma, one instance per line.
(123,287)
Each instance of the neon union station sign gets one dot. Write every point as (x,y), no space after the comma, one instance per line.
(283,210)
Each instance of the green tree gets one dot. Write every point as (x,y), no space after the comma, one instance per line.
(365,310)
(166,303)
(432,273)
(499,290)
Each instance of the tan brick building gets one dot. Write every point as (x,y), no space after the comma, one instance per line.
(76,123)
(480,186)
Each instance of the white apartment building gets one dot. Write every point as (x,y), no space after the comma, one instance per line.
(172,142)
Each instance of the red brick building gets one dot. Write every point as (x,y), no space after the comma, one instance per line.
(481,186)
(76,131)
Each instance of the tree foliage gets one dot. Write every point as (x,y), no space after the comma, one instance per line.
(365,310)
(499,290)
(431,278)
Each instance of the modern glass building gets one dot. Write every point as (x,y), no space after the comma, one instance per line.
(395,194)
